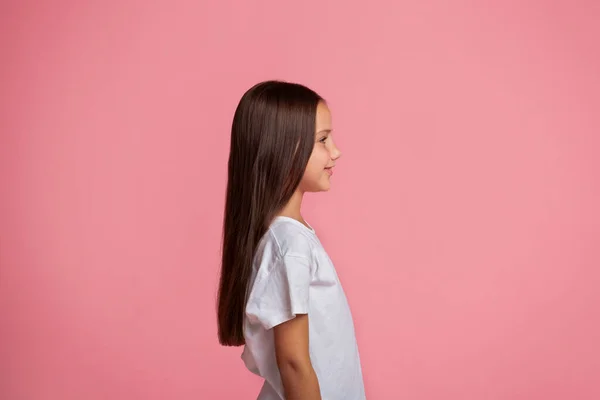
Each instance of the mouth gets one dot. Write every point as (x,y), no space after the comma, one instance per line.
(329,170)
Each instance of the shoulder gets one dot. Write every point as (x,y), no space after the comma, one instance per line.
(290,238)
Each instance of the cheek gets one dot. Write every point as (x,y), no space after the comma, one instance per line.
(315,165)
(321,157)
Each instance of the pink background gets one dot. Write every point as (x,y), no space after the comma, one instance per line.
(463,220)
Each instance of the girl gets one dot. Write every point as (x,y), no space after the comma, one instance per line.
(279,294)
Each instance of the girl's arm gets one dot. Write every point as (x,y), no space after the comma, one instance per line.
(293,359)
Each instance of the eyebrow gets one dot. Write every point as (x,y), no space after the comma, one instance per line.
(325,131)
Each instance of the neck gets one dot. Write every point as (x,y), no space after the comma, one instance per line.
(293,206)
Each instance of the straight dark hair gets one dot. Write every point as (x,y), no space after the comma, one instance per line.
(272,138)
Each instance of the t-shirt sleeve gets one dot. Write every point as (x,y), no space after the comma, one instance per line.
(281,293)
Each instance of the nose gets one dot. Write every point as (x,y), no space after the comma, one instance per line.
(335,153)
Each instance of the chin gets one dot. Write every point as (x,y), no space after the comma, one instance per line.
(320,188)
(325,188)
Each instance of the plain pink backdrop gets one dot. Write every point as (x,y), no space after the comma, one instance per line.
(463,219)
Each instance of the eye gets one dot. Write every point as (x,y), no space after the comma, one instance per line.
(323,139)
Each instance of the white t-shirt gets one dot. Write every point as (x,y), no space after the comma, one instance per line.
(292,274)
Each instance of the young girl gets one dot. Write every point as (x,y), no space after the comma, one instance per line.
(279,293)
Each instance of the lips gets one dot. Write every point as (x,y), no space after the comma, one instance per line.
(329,170)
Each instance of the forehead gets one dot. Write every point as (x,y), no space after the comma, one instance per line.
(323,120)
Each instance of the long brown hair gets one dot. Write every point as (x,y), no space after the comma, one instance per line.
(272,138)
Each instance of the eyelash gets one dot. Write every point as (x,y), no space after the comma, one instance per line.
(323,139)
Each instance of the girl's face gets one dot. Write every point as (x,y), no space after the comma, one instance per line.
(324,155)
